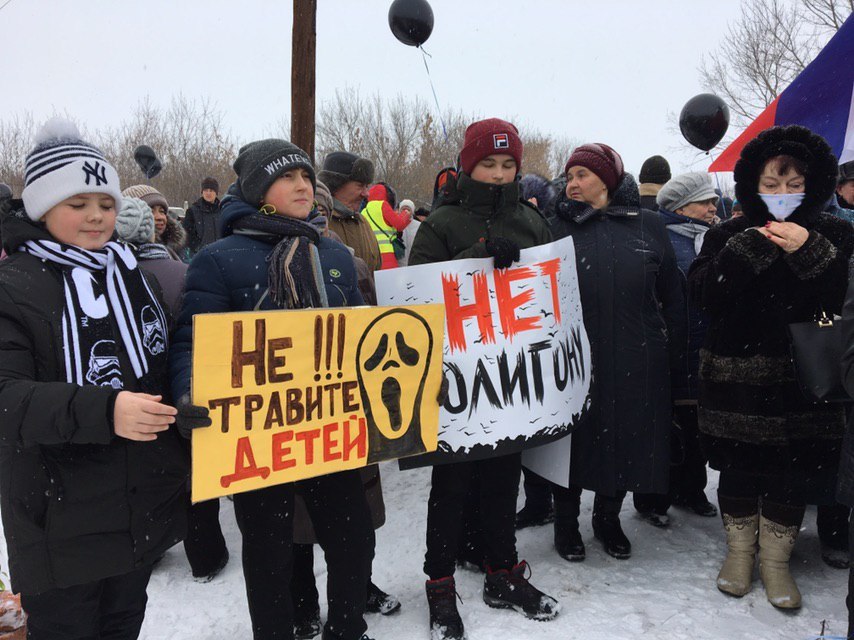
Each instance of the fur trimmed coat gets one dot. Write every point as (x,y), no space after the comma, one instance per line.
(751,411)
(632,296)
(174,238)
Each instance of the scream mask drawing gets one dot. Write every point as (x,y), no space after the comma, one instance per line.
(397,342)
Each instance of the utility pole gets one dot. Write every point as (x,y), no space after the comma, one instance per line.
(303,55)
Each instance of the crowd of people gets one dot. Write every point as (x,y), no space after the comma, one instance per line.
(687,297)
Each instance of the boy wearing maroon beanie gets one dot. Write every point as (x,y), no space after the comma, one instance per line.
(482,216)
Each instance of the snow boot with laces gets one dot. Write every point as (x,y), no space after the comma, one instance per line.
(445,621)
(510,589)
(380,602)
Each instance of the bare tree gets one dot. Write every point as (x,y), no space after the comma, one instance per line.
(409,144)
(767,47)
(16,136)
(189,137)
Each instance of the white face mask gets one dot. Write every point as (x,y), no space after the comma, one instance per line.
(782,205)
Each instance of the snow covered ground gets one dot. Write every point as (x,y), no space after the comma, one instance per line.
(666,590)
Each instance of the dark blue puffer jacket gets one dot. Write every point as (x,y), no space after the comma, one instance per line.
(231,275)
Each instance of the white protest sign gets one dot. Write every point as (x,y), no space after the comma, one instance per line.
(516,352)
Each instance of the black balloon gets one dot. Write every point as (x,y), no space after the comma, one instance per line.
(704,120)
(411,21)
(147,160)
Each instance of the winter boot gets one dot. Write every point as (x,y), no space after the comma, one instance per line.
(568,542)
(445,621)
(736,574)
(380,602)
(530,516)
(308,627)
(776,542)
(510,589)
(538,508)
(207,577)
(701,506)
(606,526)
(652,507)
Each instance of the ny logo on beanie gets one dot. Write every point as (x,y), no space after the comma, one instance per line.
(501,141)
(99,172)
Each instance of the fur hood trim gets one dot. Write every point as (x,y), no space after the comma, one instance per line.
(798,142)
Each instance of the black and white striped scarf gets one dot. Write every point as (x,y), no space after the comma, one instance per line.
(91,353)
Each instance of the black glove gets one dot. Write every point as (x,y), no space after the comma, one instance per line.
(190,416)
(443,390)
(505,252)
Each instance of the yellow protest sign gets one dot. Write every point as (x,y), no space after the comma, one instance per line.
(298,394)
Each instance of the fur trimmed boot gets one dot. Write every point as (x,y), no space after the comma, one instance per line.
(776,542)
(736,574)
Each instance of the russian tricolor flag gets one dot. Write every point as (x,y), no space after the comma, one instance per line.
(821,98)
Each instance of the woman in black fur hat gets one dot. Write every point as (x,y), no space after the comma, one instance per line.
(781,263)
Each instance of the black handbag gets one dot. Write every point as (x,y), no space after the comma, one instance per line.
(817,354)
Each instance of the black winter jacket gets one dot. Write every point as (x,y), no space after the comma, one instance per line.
(634,312)
(231,275)
(474,213)
(202,224)
(79,503)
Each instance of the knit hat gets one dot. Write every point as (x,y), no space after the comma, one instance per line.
(601,160)
(685,189)
(210,183)
(407,204)
(135,222)
(148,194)
(324,197)
(62,165)
(340,167)
(259,164)
(487,137)
(655,170)
(846,172)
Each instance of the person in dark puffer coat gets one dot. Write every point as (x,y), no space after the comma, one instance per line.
(755,275)
(93,473)
(201,222)
(480,217)
(267,226)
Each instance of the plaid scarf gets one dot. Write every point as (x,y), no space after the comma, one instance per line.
(294,275)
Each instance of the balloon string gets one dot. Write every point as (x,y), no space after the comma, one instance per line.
(718,182)
(424,55)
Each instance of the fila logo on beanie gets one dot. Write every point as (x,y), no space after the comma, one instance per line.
(62,165)
(486,137)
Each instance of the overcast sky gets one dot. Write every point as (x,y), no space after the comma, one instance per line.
(608,71)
